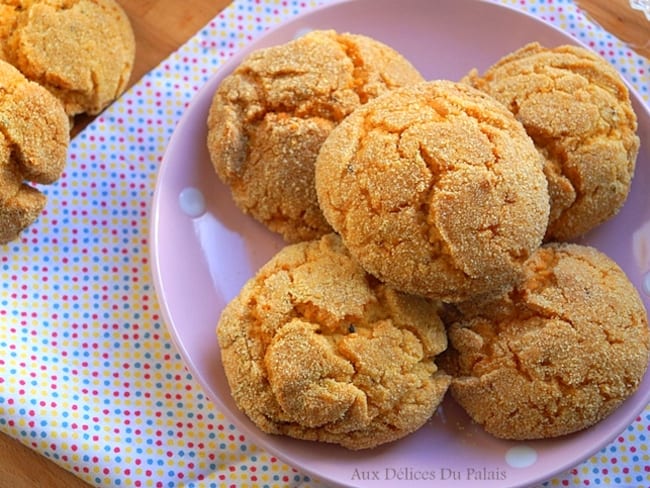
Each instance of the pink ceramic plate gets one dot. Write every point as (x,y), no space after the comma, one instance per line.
(204,249)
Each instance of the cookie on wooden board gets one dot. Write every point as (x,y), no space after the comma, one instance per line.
(82,51)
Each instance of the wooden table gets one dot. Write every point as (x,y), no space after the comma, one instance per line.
(161,26)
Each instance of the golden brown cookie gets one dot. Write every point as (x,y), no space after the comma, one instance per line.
(82,51)
(269,118)
(19,211)
(316,349)
(577,109)
(34,137)
(557,354)
(436,189)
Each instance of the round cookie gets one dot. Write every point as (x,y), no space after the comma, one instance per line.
(577,109)
(34,138)
(557,354)
(270,116)
(435,189)
(82,51)
(315,349)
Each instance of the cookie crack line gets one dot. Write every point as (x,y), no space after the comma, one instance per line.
(16,158)
(358,83)
(315,108)
(252,79)
(436,167)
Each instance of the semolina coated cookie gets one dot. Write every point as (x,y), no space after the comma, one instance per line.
(270,116)
(82,51)
(20,211)
(34,138)
(316,349)
(555,355)
(577,109)
(436,190)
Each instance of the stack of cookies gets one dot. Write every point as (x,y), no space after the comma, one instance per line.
(58,59)
(427,224)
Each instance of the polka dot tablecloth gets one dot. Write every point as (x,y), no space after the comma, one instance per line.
(88,374)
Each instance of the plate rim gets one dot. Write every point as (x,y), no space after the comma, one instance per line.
(255,435)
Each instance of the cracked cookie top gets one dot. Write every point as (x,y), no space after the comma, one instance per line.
(436,189)
(34,138)
(315,348)
(270,116)
(577,109)
(555,355)
(82,51)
